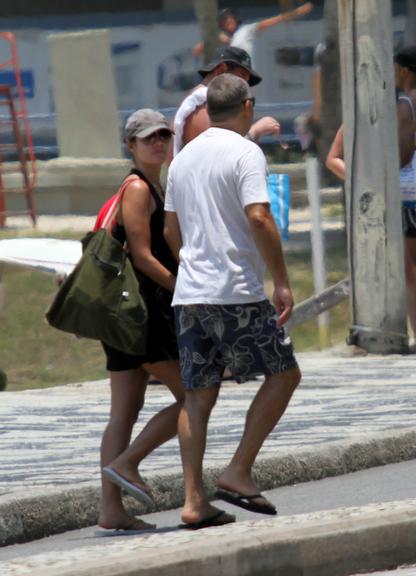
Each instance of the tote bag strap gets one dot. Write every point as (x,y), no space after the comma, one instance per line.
(109,217)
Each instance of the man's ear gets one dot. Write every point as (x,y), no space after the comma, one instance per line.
(248,108)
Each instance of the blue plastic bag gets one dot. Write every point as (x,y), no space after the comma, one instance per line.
(279,191)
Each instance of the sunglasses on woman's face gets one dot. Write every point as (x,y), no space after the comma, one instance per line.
(164,135)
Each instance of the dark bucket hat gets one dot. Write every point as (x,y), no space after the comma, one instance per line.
(232,55)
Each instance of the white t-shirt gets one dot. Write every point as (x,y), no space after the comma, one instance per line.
(244,37)
(193,101)
(210,182)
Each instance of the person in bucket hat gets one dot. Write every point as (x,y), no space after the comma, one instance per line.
(232,56)
(191,117)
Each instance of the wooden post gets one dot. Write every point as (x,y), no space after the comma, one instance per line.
(207,14)
(375,239)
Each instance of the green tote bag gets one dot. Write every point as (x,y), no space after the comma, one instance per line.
(101,297)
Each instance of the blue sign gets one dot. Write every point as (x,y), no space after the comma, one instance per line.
(279,191)
(8,77)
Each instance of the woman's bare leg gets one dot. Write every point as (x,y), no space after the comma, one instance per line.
(160,428)
(127,396)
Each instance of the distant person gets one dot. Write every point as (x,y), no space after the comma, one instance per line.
(308,125)
(234,33)
(139,223)
(405,68)
(224,235)
(191,117)
(335,160)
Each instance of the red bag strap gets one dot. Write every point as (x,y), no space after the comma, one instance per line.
(109,217)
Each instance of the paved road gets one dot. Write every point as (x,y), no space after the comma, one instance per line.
(389,483)
(49,439)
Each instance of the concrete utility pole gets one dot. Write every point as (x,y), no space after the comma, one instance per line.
(372,185)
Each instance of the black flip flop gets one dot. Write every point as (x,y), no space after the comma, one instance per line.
(214,520)
(246,502)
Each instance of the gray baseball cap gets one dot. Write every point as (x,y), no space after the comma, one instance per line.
(144,122)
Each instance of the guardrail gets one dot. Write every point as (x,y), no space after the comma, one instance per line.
(43,126)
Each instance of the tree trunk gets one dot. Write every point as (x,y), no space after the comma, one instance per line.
(331,109)
(410,28)
(207,14)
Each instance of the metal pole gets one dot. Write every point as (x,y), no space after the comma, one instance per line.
(318,253)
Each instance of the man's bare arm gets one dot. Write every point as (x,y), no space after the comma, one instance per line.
(285,16)
(198,49)
(267,239)
(195,124)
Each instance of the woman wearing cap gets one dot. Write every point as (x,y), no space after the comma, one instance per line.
(140,222)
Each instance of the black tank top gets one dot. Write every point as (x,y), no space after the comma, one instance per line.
(158,245)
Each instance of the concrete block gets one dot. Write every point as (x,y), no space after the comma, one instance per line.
(84,94)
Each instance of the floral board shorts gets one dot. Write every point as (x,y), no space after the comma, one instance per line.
(243,338)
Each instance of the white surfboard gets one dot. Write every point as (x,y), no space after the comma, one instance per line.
(45,254)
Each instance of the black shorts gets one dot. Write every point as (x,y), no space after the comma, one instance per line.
(161,338)
(409,220)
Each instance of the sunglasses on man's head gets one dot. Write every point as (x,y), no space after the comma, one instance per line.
(164,135)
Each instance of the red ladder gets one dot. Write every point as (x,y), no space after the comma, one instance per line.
(15,138)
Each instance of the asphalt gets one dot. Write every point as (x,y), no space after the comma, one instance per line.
(349,413)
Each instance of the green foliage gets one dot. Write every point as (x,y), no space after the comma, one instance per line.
(35,355)
(3,380)
(31,352)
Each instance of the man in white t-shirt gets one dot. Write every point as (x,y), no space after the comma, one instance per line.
(219,225)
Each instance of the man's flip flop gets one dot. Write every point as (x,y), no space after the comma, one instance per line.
(218,519)
(129,487)
(246,502)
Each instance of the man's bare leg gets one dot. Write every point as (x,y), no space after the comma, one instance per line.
(265,411)
(192,430)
